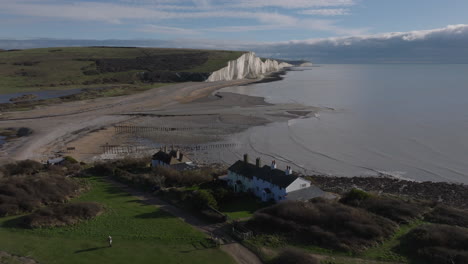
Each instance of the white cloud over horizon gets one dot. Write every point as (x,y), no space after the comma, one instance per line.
(260,14)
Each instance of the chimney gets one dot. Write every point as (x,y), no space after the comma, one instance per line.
(246,158)
(273,165)
(181,156)
(258,162)
(288,170)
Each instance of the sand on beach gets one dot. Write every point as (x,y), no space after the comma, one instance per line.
(184,114)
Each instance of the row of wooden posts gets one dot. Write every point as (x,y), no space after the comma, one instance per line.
(116,149)
(143,129)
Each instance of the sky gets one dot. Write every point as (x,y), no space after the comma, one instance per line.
(262,25)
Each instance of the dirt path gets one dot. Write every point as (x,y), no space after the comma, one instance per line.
(238,252)
(54,125)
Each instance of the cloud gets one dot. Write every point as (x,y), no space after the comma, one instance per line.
(292,4)
(326,12)
(259,14)
(441,45)
(168,30)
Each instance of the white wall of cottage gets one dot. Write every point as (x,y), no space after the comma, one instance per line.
(277,193)
(258,186)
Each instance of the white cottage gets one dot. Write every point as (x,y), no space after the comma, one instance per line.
(268,182)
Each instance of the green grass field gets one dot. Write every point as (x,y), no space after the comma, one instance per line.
(141,234)
(242,207)
(63,68)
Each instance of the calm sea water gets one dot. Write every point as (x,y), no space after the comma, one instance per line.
(408,121)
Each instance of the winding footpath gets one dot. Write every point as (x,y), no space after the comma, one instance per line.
(237,251)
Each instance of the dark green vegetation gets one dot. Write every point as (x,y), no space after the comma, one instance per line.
(438,244)
(28,185)
(393,208)
(401,230)
(448,216)
(292,256)
(141,234)
(138,173)
(62,215)
(64,68)
(323,223)
(12,132)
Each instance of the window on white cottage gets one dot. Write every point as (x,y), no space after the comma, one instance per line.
(303,185)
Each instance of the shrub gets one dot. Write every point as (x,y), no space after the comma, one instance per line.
(392,208)
(184,178)
(25,193)
(437,244)
(24,132)
(448,215)
(355,197)
(294,256)
(24,167)
(70,160)
(324,223)
(203,198)
(62,215)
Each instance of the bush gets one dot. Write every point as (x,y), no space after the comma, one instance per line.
(437,244)
(294,256)
(392,208)
(323,223)
(24,167)
(70,160)
(202,199)
(62,215)
(355,197)
(24,132)
(21,194)
(448,216)
(184,178)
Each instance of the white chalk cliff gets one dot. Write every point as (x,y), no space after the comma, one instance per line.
(247,66)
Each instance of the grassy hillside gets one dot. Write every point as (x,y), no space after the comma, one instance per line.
(141,234)
(64,68)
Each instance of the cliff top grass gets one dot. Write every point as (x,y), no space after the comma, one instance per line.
(141,234)
(79,67)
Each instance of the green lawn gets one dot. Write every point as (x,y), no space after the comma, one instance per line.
(242,207)
(141,234)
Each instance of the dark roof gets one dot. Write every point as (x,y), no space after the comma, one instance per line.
(306,193)
(170,158)
(275,176)
(246,169)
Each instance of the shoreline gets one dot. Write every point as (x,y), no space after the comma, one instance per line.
(83,127)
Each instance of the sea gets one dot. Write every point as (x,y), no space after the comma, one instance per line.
(408,121)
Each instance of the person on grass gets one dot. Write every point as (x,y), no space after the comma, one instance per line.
(110,241)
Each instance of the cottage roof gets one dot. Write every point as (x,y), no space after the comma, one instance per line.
(170,158)
(55,161)
(306,193)
(274,176)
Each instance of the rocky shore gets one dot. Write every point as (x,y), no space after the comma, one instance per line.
(451,194)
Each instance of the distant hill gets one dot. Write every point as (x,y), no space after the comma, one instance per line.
(72,67)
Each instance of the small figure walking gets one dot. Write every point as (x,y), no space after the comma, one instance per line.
(110,241)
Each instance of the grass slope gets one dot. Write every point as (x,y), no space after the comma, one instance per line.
(64,68)
(141,234)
